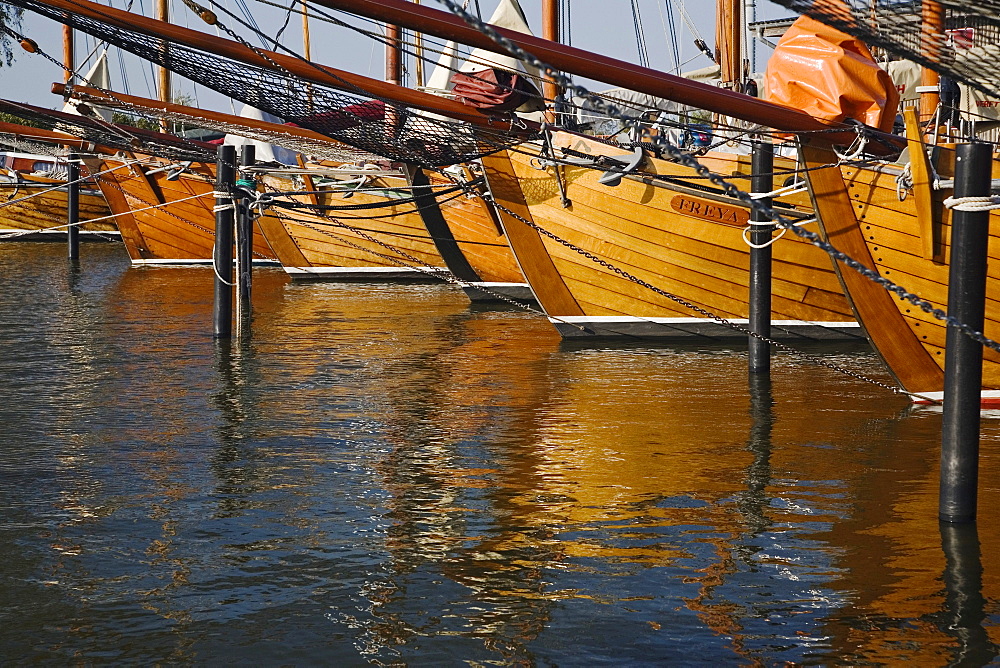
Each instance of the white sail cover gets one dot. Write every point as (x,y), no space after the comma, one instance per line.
(906,74)
(97,77)
(507,15)
(264,151)
(440,79)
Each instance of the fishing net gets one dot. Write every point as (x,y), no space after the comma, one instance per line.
(358,119)
(115,136)
(18,144)
(957,38)
(327,149)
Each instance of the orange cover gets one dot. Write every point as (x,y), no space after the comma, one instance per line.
(830,75)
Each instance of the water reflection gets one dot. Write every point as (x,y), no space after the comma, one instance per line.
(965,607)
(384,475)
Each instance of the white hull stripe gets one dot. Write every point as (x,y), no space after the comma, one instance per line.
(987,397)
(608,319)
(363,270)
(195,262)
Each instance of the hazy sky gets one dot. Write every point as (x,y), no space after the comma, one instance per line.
(604,26)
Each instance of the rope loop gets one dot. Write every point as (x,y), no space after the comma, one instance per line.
(988,203)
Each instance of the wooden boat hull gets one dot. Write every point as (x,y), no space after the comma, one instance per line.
(470,238)
(380,243)
(165,220)
(45,213)
(411,241)
(863,216)
(675,234)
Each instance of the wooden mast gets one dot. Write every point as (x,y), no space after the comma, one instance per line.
(163,74)
(307,49)
(550,31)
(69,59)
(931,44)
(306,44)
(729,42)
(393,60)
(418,61)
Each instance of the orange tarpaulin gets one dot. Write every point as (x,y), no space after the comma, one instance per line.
(830,75)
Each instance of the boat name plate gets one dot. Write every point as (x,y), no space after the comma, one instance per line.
(710,211)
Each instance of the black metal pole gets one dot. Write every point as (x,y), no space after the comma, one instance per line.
(244,249)
(222,257)
(73,206)
(762,181)
(963,365)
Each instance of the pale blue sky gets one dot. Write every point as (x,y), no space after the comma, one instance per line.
(604,26)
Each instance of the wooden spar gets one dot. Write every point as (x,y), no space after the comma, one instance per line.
(98,96)
(140,133)
(550,31)
(728,41)
(591,65)
(931,41)
(49,137)
(270,60)
(69,59)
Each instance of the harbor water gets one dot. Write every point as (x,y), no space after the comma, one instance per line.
(385,475)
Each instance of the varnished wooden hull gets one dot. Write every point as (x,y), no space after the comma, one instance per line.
(862,216)
(165,221)
(383,243)
(471,240)
(674,235)
(45,213)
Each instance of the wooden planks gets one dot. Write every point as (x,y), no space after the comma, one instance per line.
(877,310)
(639,228)
(392,236)
(166,220)
(46,210)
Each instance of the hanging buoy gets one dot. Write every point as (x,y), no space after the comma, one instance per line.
(29,45)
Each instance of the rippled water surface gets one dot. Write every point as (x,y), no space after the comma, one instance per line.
(385,475)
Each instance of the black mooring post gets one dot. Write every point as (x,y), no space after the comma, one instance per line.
(73,206)
(222,256)
(244,249)
(762,181)
(963,358)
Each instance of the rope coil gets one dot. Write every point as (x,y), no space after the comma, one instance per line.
(988,203)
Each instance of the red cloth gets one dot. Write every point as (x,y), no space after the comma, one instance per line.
(492,90)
